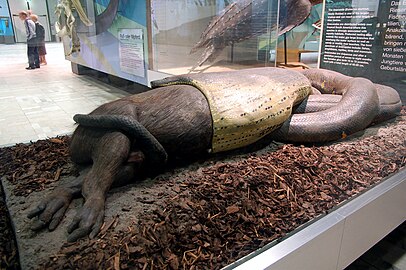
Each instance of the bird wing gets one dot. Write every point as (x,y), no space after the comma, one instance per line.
(233,15)
(244,19)
(293,13)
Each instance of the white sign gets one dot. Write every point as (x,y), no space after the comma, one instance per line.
(131,51)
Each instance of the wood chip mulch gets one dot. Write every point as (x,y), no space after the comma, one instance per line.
(32,167)
(226,209)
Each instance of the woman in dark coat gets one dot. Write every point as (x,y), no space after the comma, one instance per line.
(40,31)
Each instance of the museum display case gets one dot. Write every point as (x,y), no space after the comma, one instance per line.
(145,41)
(154,39)
(192,37)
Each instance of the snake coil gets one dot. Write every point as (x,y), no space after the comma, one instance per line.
(356,110)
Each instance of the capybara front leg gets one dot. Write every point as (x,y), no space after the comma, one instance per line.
(109,156)
(51,210)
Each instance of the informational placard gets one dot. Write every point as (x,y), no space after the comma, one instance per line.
(131,51)
(365,38)
(394,41)
(347,40)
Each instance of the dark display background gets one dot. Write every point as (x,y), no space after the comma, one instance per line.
(366,38)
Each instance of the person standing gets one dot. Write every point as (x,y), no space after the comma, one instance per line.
(32,49)
(40,36)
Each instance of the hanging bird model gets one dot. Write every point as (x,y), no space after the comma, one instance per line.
(244,19)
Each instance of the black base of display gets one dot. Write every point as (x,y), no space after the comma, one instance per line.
(123,84)
(78,69)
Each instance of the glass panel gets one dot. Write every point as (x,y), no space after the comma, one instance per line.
(107,35)
(366,39)
(299,47)
(208,35)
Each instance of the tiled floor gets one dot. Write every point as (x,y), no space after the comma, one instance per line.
(40,103)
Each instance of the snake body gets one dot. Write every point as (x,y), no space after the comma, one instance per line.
(355,111)
(389,103)
(347,105)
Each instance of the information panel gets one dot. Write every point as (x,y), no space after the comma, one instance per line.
(366,38)
(131,51)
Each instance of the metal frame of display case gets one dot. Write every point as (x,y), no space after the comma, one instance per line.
(337,239)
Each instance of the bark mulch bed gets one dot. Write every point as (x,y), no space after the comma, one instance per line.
(223,210)
(31,167)
(8,247)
